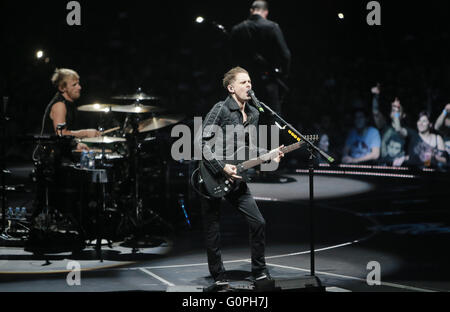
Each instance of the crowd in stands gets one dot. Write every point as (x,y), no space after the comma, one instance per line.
(390,141)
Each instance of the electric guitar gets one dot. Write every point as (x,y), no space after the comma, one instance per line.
(219,185)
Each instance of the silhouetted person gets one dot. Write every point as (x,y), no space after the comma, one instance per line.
(259,46)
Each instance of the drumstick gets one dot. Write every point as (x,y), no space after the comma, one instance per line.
(110,130)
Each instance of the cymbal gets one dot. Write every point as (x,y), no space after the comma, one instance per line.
(138,96)
(159,122)
(137,108)
(96,107)
(103,140)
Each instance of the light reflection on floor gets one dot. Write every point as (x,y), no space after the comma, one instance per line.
(324,187)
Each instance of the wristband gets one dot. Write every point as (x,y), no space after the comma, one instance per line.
(444,112)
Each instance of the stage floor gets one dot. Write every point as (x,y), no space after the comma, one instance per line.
(399,223)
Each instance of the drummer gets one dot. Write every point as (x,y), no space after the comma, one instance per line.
(62,111)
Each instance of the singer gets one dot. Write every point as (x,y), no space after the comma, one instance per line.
(234,110)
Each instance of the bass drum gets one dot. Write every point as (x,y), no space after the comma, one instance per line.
(89,197)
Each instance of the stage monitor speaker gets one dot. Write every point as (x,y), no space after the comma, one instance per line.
(304,283)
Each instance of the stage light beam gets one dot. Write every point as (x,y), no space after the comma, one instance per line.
(341,15)
(39,54)
(199,19)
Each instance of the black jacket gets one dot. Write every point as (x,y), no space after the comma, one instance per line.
(222,114)
(259,46)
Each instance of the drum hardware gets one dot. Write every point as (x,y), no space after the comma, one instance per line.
(103,140)
(134,148)
(96,150)
(135,215)
(48,222)
(122,191)
(12,188)
(16,225)
(97,107)
(138,96)
(137,108)
(155,123)
(46,168)
(99,177)
(149,139)
(3,170)
(53,144)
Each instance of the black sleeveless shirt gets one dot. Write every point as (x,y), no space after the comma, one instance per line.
(70,115)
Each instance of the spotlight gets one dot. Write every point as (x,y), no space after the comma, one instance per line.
(341,15)
(39,54)
(199,19)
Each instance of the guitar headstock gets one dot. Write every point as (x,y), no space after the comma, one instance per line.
(312,137)
(300,142)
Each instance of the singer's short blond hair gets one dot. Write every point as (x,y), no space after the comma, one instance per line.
(59,78)
(230,75)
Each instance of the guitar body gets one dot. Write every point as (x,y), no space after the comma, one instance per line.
(218,185)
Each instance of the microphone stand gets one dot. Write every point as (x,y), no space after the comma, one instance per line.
(313,151)
(3,170)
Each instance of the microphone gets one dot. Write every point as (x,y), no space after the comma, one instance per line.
(255,100)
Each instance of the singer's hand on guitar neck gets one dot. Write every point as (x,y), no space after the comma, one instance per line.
(231,172)
(280,154)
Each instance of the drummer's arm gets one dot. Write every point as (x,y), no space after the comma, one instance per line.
(58,115)
(82,146)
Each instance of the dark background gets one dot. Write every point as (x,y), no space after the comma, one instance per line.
(156,45)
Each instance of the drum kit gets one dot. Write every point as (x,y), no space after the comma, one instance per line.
(109,200)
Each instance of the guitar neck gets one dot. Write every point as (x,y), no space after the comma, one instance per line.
(268,156)
(271,155)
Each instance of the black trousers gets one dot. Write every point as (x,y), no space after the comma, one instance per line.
(244,202)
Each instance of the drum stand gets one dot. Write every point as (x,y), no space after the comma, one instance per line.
(100,178)
(3,171)
(133,145)
(47,210)
(137,218)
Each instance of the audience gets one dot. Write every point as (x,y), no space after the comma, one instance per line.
(426,149)
(442,126)
(393,134)
(363,141)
